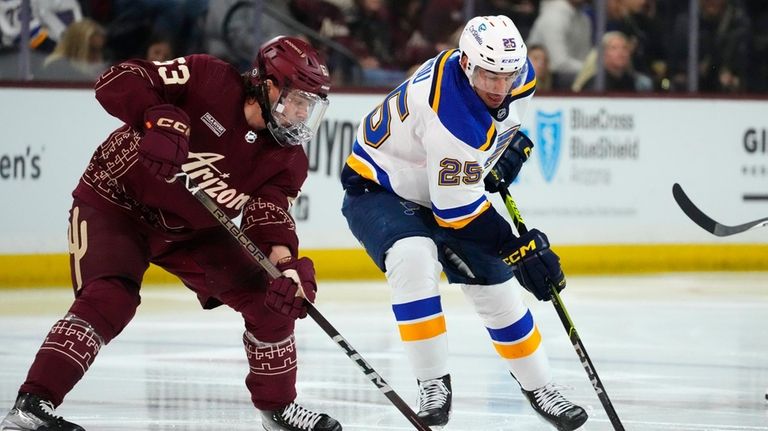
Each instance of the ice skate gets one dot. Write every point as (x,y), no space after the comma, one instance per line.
(294,417)
(435,400)
(30,413)
(557,410)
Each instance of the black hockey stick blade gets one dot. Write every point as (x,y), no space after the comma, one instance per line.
(707,223)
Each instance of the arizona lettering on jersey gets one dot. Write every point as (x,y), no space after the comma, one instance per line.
(432,140)
(223,152)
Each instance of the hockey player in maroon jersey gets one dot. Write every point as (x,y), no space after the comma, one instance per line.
(239,137)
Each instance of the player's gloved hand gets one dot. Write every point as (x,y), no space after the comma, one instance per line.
(165,145)
(506,169)
(534,264)
(286,294)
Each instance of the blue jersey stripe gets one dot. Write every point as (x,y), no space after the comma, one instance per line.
(524,94)
(513,332)
(381,176)
(461,211)
(437,79)
(459,109)
(417,309)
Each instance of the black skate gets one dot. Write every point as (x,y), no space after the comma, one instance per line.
(294,417)
(32,413)
(435,400)
(553,407)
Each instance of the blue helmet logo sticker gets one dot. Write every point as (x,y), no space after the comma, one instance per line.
(549,128)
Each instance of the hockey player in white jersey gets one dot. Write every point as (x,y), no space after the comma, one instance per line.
(416,185)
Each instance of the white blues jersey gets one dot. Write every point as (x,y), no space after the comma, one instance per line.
(433,140)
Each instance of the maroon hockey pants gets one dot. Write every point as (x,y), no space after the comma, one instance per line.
(109,253)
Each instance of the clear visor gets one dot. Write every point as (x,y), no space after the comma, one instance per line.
(494,83)
(297,115)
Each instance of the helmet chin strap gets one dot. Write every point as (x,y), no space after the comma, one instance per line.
(262,98)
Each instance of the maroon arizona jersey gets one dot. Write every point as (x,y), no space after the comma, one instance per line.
(241,169)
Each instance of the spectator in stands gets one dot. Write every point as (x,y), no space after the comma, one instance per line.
(49,19)
(540,61)
(412,47)
(181,21)
(230,29)
(619,73)
(637,20)
(346,6)
(724,32)
(370,28)
(328,21)
(758,66)
(522,12)
(79,55)
(97,10)
(566,32)
(321,16)
(159,48)
(421,29)
(442,22)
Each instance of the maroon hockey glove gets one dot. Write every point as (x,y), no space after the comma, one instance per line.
(285,295)
(534,264)
(165,144)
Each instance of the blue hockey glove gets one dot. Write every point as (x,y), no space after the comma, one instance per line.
(508,166)
(534,264)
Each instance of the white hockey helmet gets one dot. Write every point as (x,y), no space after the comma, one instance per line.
(493,44)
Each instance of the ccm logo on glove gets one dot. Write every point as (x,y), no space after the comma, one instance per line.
(170,123)
(535,266)
(165,145)
(520,253)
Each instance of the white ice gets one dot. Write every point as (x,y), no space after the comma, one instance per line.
(674,352)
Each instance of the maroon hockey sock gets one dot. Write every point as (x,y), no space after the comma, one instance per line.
(102,309)
(272,376)
(66,354)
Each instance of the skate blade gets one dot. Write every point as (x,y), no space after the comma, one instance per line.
(583,427)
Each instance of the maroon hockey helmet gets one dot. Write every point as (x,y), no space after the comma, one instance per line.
(297,68)
(291,62)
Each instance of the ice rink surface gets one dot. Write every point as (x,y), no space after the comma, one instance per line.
(675,352)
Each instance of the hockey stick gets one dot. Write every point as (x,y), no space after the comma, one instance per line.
(581,351)
(261,259)
(703,220)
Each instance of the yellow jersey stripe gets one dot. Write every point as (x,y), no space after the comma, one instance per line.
(523,88)
(422,330)
(439,79)
(489,137)
(360,167)
(458,224)
(521,349)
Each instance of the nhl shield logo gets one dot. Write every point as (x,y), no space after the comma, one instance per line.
(549,128)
